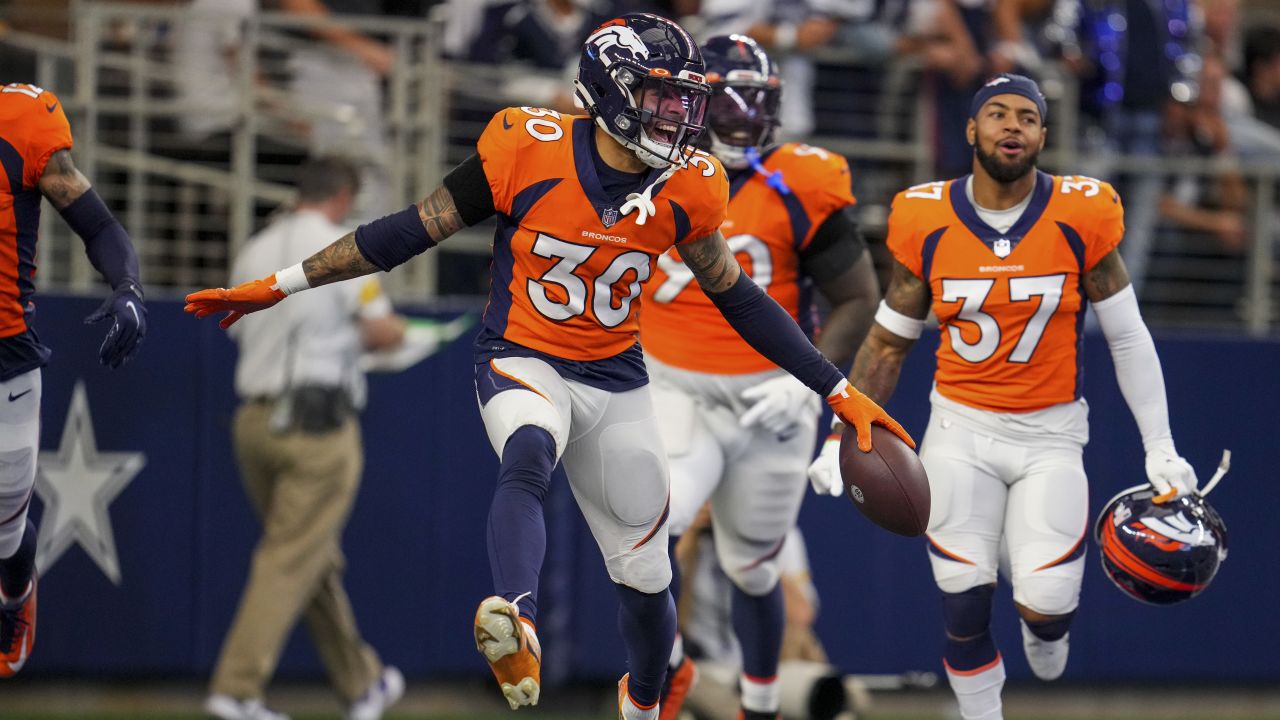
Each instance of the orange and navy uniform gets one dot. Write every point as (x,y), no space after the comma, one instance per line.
(32,128)
(768,228)
(567,265)
(1010,306)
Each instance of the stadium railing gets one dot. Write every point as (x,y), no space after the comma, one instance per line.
(190,205)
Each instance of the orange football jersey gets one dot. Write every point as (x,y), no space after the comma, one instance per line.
(32,128)
(766,228)
(1010,306)
(567,265)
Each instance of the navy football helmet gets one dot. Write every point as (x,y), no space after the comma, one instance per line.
(746,94)
(641,77)
(1163,553)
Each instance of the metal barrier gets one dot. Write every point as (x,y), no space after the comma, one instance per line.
(190,202)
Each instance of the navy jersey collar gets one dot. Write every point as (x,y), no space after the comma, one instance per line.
(1040,196)
(584,153)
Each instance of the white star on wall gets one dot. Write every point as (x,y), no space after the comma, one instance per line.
(76,483)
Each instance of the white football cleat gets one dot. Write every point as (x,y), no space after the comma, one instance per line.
(510,645)
(229,708)
(1047,658)
(382,694)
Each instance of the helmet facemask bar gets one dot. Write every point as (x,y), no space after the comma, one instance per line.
(669,113)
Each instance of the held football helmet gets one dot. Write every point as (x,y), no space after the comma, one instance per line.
(1164,553)
(641,77)
(746,94)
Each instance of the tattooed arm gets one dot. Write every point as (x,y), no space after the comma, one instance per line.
(1107,278)
(62,182)
(712,263)
(349,257)
(879,361)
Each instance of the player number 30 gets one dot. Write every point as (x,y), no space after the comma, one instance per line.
(569,257)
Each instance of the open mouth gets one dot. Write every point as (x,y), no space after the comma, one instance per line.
(1009,148)
(664,131)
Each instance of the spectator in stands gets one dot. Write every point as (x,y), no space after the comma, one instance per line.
(547,34)
(205,45)
(1136,57)
(1211,205)
(1262,72)
(337,87)
(297,442)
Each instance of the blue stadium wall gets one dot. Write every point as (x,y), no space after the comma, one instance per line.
(417,563)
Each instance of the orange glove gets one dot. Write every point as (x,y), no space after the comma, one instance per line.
(237,302)
(855,409)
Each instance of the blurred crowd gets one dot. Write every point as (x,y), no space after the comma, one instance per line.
(1143,81)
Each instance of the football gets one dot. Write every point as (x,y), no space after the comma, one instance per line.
(888,484)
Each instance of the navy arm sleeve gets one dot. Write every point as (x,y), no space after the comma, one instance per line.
(105,241)
(394,239)
(773,333)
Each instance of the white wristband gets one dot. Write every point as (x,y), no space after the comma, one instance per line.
(291,280)
(897,323)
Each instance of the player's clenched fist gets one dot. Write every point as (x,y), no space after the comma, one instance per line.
(236,302)
(859,411)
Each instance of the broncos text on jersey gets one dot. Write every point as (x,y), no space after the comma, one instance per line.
(1010,306)
(766,228)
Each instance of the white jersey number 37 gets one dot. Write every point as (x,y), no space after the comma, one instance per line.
(973,295)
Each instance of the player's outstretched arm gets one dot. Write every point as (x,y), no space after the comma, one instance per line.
(109,250)
(379,245)
(1133,353)
(773,333)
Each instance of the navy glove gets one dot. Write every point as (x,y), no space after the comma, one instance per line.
(128,324)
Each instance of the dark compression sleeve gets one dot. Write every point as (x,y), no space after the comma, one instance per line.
(396,238)
(393,239)
(773,333)
(470,189)
(105,241)
(836,246)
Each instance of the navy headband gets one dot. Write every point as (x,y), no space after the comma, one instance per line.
(1009,84)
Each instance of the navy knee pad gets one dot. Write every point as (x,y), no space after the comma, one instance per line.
(967,617)
(1052,630)
(968,614)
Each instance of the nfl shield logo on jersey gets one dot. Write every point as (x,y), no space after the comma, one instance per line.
(1002,248)
(609,216)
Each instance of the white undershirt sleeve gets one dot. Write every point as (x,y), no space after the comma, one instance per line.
(1137,367)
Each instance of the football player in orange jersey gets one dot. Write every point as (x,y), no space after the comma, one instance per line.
(738,430)
(35,154)
(1008,258)
(585,206)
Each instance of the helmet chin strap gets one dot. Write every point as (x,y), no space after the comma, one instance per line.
(1223,466)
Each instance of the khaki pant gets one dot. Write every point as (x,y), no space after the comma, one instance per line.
(301,487)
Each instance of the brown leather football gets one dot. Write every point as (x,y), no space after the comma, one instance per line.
(887,484)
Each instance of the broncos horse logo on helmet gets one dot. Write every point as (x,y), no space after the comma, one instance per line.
(746,96)
(1160,553)
(641,77)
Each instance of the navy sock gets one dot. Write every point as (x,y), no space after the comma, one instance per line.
(16,570)
(517,530)
(648,625)
(758,621)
